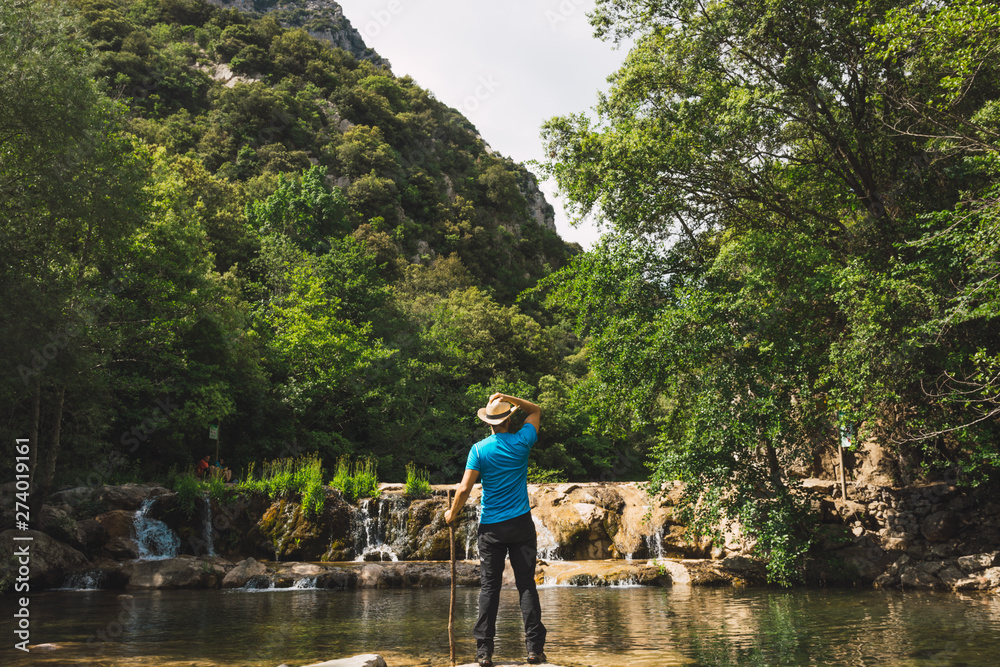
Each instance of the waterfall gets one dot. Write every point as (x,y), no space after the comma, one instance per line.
(374,525)
(654,543)
(471,534)
(154,538)
(548,547)
(206,522)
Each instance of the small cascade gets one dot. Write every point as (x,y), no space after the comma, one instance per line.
(305,584)
(261,582)
(154,538)
(548,547)
(206,522)
(375,524)
(84,581)
(469,534)
(654,543)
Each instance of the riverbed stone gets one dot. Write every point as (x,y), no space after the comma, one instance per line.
(365,660)
(179,572)
(243,572)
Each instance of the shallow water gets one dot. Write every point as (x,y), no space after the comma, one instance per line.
(599,627)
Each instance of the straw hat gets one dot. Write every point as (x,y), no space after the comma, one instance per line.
(496,412)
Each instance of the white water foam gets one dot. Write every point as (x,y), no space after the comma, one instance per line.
(154,539)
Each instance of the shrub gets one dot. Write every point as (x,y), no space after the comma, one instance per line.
(188,488)
(357,480)
(417,482)
(285,478)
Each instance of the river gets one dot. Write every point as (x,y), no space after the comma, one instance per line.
(599,627)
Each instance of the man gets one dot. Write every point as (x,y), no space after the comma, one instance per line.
(505,526)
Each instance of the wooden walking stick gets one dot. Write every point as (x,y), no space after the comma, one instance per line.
(451,604)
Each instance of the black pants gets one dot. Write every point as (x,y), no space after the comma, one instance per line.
(515,537)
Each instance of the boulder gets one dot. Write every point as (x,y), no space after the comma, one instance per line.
(969,564)
(180,572)
(991,578)
(242,573)
(129,496)
(915,577)
(954,578)
(119,528)
(366,660)
(117,523)
(93,533)
(56,522)
(373,576)
(337,578)
(940,526)
(82,500)
(50,560)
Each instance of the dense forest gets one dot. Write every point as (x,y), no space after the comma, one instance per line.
(802,204)
(211,219)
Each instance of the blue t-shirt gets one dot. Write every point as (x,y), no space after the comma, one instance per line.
(502,462)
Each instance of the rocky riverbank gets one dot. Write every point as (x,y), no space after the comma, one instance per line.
(145,537)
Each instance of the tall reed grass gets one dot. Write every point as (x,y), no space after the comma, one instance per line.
(286,478)
(418,482)
(356,480)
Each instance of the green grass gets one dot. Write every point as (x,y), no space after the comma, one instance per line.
(356,480)
(418,484)
(286,478)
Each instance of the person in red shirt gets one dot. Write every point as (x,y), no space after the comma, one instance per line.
(203,466)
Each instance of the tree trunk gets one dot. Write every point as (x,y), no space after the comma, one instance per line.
(36,411)
(774,468)
(51,455)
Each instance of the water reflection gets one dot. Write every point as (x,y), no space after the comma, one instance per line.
(596,627)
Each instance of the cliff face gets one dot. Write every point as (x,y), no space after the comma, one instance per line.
(322,19)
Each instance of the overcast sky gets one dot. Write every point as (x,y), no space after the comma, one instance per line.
(507,65)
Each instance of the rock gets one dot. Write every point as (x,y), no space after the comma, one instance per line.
(896,544)
(242,573)
(955,579)
(366,660)
(119,526)
(129,496)
(49,560)
(737,563)
(180,572)
(931,566)
(57,523)
(969,564)
(372,576)
(609,499)
(82,500)
(884,580)
(991,578)
(914,577)
(337,578)
(940,526)
(117,523)
(93,533)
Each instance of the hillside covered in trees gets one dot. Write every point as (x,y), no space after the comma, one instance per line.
(209,218)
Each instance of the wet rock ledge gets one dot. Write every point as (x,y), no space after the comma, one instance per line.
(374,660)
